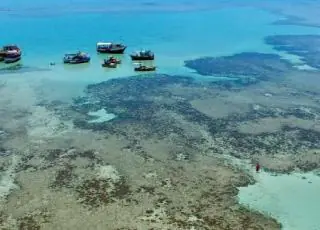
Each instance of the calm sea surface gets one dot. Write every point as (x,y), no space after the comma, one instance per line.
(48,32)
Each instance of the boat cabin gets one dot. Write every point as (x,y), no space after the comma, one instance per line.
(10,47)
(104,45)
(144,53)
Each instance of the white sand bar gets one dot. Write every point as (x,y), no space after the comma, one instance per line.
(294,200)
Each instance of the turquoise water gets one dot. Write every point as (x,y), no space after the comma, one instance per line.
(292,199)
(173,36)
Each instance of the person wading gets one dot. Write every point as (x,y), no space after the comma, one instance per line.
(257,167)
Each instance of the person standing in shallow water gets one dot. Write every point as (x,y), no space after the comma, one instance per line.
(257,167)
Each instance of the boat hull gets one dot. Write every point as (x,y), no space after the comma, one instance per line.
(111,51)
(139,58)
(9,60)
(116,61)
(76,61)
(144,69)
(109,65)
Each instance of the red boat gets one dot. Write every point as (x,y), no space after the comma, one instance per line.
(113,60)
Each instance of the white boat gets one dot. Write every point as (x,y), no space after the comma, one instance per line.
(109,47)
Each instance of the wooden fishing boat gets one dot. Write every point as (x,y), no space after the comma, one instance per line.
(10,51)
(76,58)
(143,68)
(109,65)
(143,55)
(109,47)
(113,60)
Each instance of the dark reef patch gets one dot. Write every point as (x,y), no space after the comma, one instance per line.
(247,68)
(33,221)
(304,46)
(154,107)
(133,100)
(28,223)
(64,177)
(96,192)
(52,157)
(289,140)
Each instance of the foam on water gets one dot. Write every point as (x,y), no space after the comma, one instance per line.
(292,199)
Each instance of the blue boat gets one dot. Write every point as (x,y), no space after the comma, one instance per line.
(76,58)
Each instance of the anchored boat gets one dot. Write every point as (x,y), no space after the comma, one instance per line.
(143,55)
(143,68)
(10,50)
(10,54)
(109,47)
(111,62)
(76,58)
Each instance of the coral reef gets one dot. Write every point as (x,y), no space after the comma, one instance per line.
(160,112)
(304,46)
(96,192)
(248,68)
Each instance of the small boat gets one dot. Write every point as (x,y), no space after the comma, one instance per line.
(108,47)
(143,55)
(109,64)
(10,54)
(76,58)
(112,60)
(10,51)
(143,68)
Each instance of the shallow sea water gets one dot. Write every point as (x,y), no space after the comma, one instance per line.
(292,199)
(174,37)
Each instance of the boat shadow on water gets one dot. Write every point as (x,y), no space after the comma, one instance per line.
(76,67)
(19,68)
(102,56)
